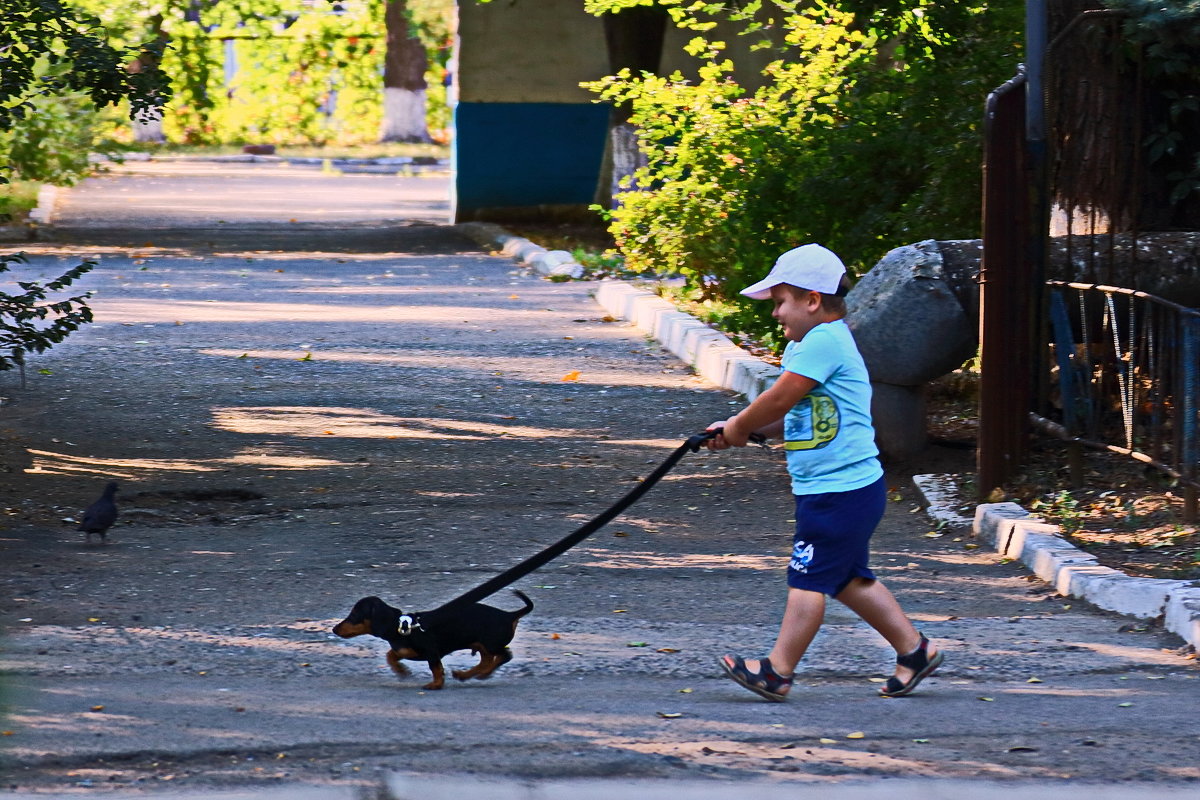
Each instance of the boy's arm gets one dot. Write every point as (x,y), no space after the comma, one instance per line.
(765,415)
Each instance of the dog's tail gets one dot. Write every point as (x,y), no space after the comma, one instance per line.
(528,605)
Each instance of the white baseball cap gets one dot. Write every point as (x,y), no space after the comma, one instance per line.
(809,266)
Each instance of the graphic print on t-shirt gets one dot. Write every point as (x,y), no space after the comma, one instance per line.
(812,424)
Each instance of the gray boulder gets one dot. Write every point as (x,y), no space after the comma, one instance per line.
(908,322)
(914,321)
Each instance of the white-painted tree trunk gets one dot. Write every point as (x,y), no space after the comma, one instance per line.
(626,158)
(147,128)
(403,116)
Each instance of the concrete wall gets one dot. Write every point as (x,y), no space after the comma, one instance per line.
(528,139)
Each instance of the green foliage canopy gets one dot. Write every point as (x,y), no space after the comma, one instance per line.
(298,73)
(57,62)
(48,47)
(864,135)
(1168,38)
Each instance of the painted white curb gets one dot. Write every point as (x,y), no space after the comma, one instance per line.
(46,202)
(711,353)
(550,263)
(936,493)
(1023,537)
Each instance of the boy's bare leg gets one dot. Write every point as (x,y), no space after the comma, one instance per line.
(872,601)
(801,619)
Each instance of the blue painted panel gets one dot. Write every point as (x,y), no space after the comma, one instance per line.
(510,155)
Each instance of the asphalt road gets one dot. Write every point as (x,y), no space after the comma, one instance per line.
(304,407)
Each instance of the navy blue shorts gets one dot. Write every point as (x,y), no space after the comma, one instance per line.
(833,531)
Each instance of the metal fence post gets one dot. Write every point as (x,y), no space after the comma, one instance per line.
(1006,283)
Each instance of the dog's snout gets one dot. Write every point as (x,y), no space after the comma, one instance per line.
(348,630)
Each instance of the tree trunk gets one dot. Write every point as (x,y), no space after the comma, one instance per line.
(148,125)
(1108,101)
(634,39)
(403,79)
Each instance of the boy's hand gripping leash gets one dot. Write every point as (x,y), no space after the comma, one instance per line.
(527,566)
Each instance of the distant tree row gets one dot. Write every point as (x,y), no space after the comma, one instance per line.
(219,71)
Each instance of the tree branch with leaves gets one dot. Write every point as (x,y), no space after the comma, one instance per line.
(50,50)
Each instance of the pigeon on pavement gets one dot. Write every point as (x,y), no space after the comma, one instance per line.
(100,515)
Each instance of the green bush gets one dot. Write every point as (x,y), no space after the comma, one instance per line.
(51,144)
(17,198)
(865,135)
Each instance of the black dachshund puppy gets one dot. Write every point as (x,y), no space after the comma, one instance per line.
(429,635)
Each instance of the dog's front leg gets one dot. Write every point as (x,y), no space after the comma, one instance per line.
(439,675)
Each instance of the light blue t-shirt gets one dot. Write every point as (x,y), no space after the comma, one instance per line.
(828,436)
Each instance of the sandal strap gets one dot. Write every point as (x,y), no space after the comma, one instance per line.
(918,659)
(772,678)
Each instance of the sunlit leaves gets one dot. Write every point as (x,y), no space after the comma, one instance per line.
(50,50)
(864,136)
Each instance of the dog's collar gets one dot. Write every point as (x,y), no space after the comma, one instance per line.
(408,623)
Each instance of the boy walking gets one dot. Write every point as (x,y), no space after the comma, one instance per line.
(821,406)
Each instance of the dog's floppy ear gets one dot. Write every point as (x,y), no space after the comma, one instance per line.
(385,620)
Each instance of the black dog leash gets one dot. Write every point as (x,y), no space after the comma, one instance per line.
(527,566)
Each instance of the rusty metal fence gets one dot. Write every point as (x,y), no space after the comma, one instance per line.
(1071,198)
(1124,377)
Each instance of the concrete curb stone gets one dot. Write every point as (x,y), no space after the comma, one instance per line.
(1021,536)
(548,263)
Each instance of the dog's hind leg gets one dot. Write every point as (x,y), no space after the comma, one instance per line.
(485,660)
(498,660)
(397,666)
